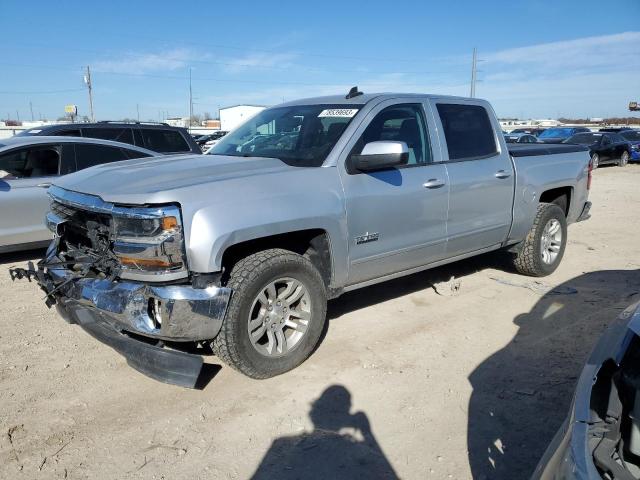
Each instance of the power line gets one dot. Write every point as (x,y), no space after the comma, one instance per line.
(43,92)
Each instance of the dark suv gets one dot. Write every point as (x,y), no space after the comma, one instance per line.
(158,137)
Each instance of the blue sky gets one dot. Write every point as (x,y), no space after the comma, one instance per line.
(539,58)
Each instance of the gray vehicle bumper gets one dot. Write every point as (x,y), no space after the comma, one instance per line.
(585,215)
(178,313)
(138,320)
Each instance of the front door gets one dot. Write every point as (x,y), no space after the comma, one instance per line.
(396,217)
(25,174)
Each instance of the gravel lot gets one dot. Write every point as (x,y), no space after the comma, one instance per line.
(410,381)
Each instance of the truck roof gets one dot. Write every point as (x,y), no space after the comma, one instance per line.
(365,98)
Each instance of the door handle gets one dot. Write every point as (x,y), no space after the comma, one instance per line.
(433,183)
(43,185)
(502,174)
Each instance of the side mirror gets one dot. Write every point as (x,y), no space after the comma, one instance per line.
(380,155)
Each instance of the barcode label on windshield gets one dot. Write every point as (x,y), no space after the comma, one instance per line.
(339,112)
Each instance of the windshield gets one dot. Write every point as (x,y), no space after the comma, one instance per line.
(299,135)
(585,138)
(556,132)
(633,135)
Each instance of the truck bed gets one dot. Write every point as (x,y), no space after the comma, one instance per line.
(534,149)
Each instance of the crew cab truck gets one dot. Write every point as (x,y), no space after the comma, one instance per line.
(236,253)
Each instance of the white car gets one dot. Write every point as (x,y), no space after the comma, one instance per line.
(28,166)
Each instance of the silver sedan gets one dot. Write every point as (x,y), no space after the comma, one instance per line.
(28,165)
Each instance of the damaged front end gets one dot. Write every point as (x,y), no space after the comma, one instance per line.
(120,272)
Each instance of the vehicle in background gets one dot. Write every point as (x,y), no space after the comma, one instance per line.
(633,137)
(28,165)
(530,131)
(521,138)
(604,147)
(615,129)
(560,134)
(238,254)
(600,439)
(158,137)
(213,140)
(203,139)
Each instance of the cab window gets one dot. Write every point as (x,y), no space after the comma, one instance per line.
(400,123)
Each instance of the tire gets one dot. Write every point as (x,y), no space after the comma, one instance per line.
(624,159)
(531,260)
(595,161)
(250,279)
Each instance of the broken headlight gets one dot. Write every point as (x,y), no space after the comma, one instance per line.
(149,242)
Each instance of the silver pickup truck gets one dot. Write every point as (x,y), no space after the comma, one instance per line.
(235,253)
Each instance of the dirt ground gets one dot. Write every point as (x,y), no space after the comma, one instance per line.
(407,382)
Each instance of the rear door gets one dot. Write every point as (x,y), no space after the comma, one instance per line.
(25,174)
(481,176)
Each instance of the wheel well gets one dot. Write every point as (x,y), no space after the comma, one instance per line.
(313,244)
(560,196)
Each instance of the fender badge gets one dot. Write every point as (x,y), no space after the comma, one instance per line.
(367,237)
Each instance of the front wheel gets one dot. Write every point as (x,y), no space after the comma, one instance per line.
(624,159)
(543,248)
(276,314)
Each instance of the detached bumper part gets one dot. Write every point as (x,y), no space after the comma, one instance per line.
(162,364)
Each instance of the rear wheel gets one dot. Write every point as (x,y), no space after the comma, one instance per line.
(276,314)
(624,159)
(543,248)
(595,160)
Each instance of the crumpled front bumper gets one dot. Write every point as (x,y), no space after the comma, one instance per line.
(137,319)
(178,313)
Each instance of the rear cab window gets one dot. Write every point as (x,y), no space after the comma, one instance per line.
(468,131)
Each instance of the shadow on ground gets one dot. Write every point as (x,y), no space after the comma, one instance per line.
(340,446)
(522,393)
(382,292)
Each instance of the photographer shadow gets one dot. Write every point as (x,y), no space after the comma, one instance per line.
(522,393)
(340,446)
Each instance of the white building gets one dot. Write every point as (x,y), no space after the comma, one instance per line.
(178,121)
(231,117)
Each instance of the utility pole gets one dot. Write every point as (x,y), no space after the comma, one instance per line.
(87,80)
(473,74)
(190,101)
(138,111)
(31,108)
(18,115)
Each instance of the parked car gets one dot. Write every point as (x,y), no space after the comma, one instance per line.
(158,137)
(530,131)
(214,139)
(28,165)
(615,129)
(521,138)
(633,137)
(559,134)
(600,439)
(305,201)
(604,147)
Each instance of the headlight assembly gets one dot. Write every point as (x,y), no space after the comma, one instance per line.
(149,241)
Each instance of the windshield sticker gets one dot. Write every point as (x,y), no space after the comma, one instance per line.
(338,112)
(35,131)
